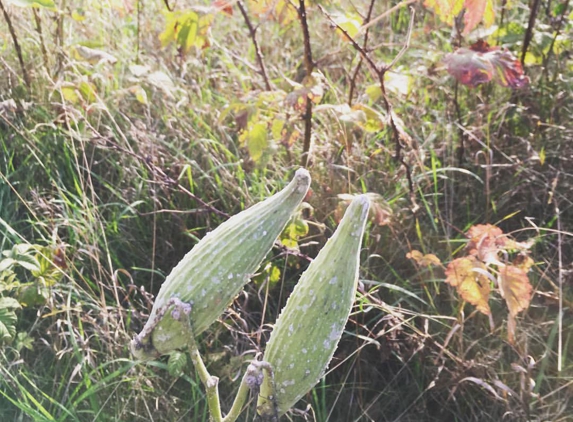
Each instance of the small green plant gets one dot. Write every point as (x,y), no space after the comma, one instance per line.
(310,325)
(26,274)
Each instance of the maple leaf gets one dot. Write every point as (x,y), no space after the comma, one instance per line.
(481,63)
(423,260)
(468,276)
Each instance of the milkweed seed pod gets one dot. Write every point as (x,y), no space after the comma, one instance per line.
(211,275)
(310,325)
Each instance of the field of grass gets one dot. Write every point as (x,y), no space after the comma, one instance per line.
(118,152)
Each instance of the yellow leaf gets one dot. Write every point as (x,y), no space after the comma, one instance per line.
(446,10)
(515,288)
(349,22)
(70,93)
(467,275)
(140,94)
(281,11)
(397,83)
(489,14)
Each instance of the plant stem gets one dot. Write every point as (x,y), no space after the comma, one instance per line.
(210,382)
(16,45)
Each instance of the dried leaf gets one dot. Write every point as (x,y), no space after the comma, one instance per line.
(225,6)
(93,56)
(481,63)
(524,262)
(424,260)
(467,276)
(486,241)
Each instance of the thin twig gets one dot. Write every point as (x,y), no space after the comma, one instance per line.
(383,15)
(259,55)
(406,44)
(364,46)
(556,35)
(309,67)
(560,316)
(379,71)
(16,45)
(41,35)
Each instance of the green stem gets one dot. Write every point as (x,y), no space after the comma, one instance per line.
(240,400)
(210,382)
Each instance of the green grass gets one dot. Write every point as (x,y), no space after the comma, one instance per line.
(126,188)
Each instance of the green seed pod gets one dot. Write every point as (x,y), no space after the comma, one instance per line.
(310,325)
(211,275)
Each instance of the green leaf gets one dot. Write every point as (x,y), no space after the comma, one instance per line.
(9,302)
(256,140)
(8,321)
(24,341)
(6,263)
(28,262)
(177,363)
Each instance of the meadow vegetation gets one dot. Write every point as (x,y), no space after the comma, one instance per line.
(125,139)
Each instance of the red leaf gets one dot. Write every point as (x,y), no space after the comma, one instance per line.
(481,63)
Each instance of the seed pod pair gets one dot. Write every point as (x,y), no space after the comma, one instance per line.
(211,275)
(310,325)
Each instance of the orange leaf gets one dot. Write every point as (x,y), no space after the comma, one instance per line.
(515,288)
(475,10)
(467,275)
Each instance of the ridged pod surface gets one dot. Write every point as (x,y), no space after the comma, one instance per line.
(310,325)
(211,275)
